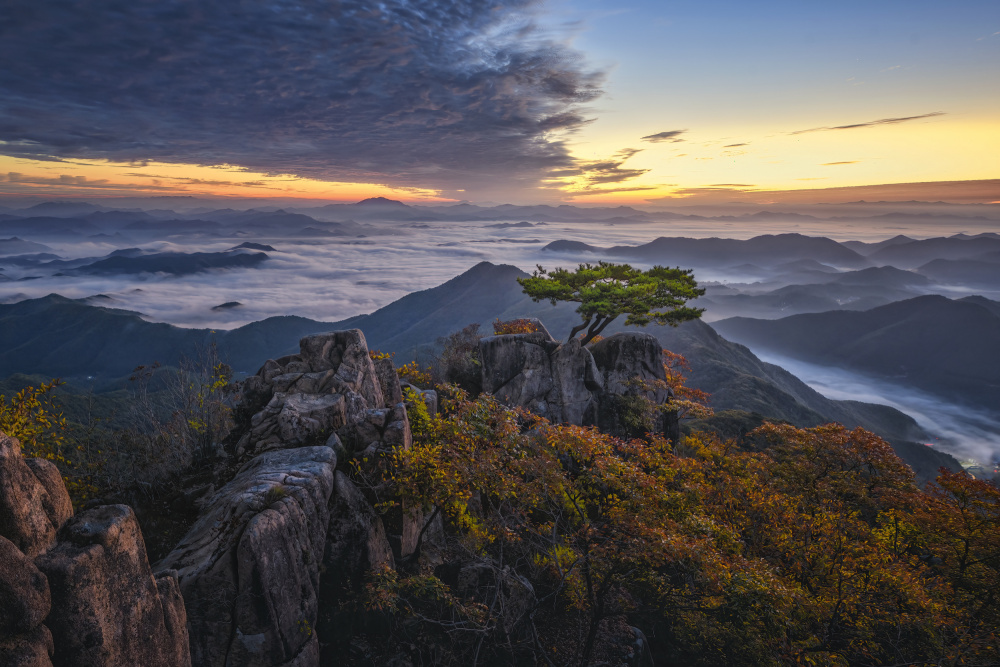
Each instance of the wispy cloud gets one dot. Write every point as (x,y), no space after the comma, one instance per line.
(978,191)
(445,93)
(832,164)
(873,123)
(605,191)
(735,145)
(611,170)
(670,135)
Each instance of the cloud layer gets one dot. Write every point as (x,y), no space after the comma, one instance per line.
(443,93)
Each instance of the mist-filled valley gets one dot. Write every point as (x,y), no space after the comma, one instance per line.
(217,273)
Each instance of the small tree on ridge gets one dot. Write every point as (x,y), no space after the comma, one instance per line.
(606,291)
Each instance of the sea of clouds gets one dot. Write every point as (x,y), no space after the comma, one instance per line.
(331,279)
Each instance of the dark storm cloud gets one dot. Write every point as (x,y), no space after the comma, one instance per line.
(873,123)
(439,93)
(671,135)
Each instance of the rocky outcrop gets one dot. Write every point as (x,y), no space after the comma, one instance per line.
(249,567)
(631,367)
(78,590)
(385,371)
(289,534)
(24,591)
(107,607)
(568,383)
(301,399)
(356,542)
(558,382)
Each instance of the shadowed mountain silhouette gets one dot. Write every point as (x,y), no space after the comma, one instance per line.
(767,250)
(945,347)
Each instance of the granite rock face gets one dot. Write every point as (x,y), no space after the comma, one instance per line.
(558,382)
(78,590)
(571,384)
(300,399)
(356,542)
(31,649)
(288,535)
(388,380)
(631,366)
(24,592)
(249,567)
(107,607)
(30,514)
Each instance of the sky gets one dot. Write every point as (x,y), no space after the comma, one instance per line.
(642,102)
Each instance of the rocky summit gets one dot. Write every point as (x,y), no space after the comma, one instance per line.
(282,534)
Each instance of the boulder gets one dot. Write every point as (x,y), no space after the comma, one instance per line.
(107,608)
(24,592)
(29,517)
(388,380)
(430,397)
(516,370)
(249,567)
(634,380)
(576,384)
(57,504)
(558,382)
(378,432)
(628,360)
(567,383)
(31,649)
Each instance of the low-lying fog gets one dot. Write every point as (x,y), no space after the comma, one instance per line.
(964,432)
(331,279)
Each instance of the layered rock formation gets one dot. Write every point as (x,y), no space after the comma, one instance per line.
(78,590)
(571,384)
(288,534)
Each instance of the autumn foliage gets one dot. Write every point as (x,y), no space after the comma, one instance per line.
(516,326)
(814,547)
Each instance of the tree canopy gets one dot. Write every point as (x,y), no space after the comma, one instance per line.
(797,547)
(606,290)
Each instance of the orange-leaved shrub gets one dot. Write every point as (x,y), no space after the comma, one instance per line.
(515,326)
(814,548)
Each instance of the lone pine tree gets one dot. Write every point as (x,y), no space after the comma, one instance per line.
(606,290)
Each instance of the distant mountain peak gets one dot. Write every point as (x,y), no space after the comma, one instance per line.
(381,201)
